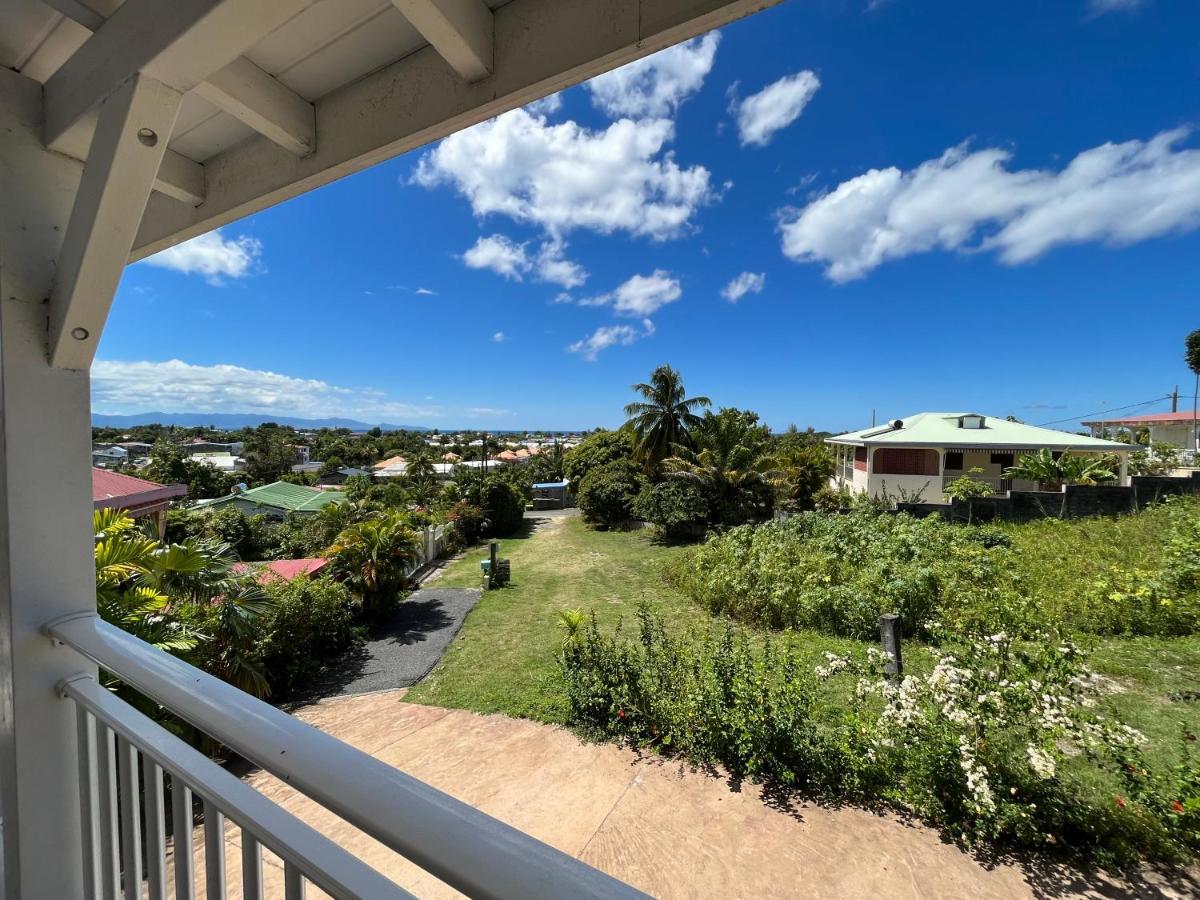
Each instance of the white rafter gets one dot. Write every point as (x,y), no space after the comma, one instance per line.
(460,30)
(542,46)
(127,150)
(241,88)
(181,44)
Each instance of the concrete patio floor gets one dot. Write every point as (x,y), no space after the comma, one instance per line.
(661,826)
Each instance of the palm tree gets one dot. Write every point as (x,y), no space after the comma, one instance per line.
(183,598)
(1191,356)
(421,475)
(726,463)
(665,418)
(375,557)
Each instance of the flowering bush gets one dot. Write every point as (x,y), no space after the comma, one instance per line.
(1000,743)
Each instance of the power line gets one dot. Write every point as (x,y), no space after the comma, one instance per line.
(1106,411)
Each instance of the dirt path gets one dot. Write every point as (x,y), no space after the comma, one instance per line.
(666,829)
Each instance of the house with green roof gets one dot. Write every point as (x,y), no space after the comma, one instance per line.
(920,455)
(276,499)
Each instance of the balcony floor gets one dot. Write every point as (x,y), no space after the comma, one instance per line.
(661,826)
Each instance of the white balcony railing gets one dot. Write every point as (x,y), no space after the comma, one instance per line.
(460,845)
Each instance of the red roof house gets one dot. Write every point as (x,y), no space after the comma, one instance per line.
(283,569)
(136,496)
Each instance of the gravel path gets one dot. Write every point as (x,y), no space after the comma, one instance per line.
(402,651)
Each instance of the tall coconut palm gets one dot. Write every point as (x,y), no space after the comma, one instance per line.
(665,417)
(1191,356)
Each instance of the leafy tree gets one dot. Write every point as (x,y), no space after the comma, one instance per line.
(727,464)
(594,451)
(503,506)
(169,465)
(664,418)
(268,453)
(375,556)
(1191,355)
(678,508)
(607,493)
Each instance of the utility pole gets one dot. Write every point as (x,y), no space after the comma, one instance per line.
(1175,399)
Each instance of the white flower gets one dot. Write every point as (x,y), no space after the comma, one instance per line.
(1040,761)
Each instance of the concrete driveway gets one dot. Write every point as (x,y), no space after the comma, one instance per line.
(660,826)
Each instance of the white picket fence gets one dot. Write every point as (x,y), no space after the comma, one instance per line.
(435,539)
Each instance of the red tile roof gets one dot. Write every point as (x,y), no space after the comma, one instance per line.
(285,569)
(112,489)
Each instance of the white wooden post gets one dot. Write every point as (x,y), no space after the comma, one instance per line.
(46,567)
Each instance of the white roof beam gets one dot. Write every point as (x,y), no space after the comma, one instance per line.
(541,46)
(178,177)
(241,89)
(460,30)
(180,43)
(256,99)
(127,150)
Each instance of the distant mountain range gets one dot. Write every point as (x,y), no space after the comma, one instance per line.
(232,421)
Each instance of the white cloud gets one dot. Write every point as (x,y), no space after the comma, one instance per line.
(563,177)
(610,336)
(213,256)
(499,337)
(776,106)
(1100,7)
(552,266)
(551,103)
(501,255)
(508,258)
(641,295)
(177,386)
(1116,194)
(746,283)
(656,85)
(425,292)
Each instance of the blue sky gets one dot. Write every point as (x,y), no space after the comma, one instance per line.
(930,205)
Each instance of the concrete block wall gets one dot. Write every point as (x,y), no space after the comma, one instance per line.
(1073,502)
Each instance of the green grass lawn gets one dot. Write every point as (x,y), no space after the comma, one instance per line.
(504,660)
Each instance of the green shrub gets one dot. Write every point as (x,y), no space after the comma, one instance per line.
(840,573)
(503,506)
(998,745)
(607,493)
(678,508)
(1137,574)
(309,626)
(595,451)
(467,521)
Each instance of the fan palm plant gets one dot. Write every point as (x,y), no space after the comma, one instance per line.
(665,417)
(184,598)
(375,557)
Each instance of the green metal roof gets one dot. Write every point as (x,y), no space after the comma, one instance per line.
(281,495)
(943,429)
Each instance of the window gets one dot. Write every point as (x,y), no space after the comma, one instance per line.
(1002,459)
(889,461)
(954,460)
(970,422)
